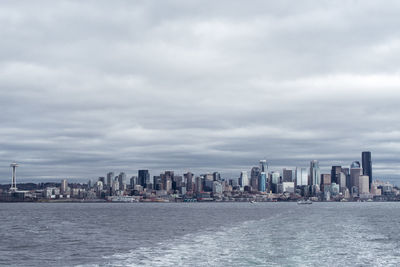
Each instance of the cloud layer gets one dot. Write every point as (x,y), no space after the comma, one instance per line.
(97,86)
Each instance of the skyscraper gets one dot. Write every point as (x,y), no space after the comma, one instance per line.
(367,165)
(143,177)
(315,174)
(244,180)
(262,182)
(189,181)
(335,174)
(301,176)
(110,177)
(255,173)
(263,165)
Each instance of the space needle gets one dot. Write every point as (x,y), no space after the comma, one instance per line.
(14,176)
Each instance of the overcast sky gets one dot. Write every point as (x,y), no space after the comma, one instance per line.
(88,87)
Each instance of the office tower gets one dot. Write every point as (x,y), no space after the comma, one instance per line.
(315,174)
(367,165)
(189,181)
(216,176)
(199,184)
(157,183)
(64,186)
(102,179)
(244,180)
(342,181)
(166,179)
(363,182)
(217,187)
(110,177)
(122,181)
(255,173)
(263,166)
(143,178)
(335,173)
(301,176)
(355,172)
(262,182)
(276,177)
(14,176)
(287,175)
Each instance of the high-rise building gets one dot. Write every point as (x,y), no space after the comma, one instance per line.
(335,173)
(367,165)
(315,174)
(301,176)
(64,186)
(122,181)
(14,176)
(287,175)
(263,165)
(255,173)
(363,181)
(216,176)
(244,180)
(133,182)
(189,181)
(199,184)
(110,177)
(262,182)
(275,177)
(143,177)
(355,172)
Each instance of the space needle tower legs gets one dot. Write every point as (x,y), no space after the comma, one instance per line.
(14,176)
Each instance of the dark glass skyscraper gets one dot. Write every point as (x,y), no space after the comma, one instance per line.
(367,165)
(143,177)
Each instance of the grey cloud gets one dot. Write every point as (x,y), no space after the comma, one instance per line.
(89,87)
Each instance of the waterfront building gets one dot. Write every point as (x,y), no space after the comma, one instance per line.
(301,177)
(325,180)
(262,182)
(315,174)
(275,177)
(367,165)
(143,177)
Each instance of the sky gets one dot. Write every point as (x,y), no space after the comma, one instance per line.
(88,87)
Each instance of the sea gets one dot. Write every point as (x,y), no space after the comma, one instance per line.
(200,234)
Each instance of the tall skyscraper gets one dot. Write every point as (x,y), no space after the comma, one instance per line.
(64,186)
(355,172)
(301,176)
(255,173)
(122,181)
(143,177)
(315,174)
(367,165)
(110,177)
(335,174)
(262,182)
(189,181)
(244,180)
(263,165)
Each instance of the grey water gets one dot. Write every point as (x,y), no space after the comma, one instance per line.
(199,234)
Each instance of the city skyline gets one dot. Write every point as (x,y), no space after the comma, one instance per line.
(90,87)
